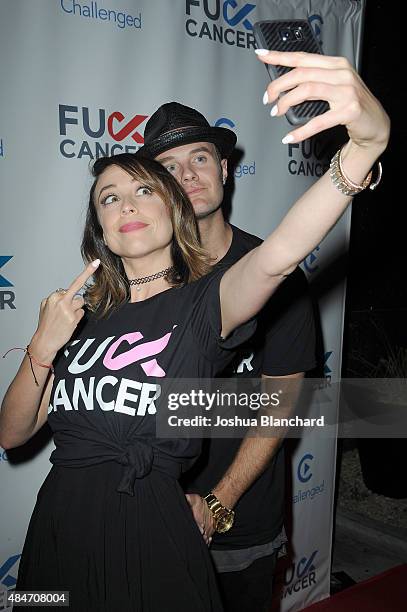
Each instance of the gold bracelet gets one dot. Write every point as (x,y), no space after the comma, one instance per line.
(343,182)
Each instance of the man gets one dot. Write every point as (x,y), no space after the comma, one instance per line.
(246,476)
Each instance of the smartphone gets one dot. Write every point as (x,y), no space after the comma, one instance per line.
(290,35)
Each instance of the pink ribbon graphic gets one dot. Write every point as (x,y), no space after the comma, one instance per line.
(141,351)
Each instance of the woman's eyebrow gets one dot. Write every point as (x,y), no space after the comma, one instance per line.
(104,188)
(109,187)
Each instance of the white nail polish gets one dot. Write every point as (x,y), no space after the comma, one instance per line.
(287,139)
(265,97)
(96,263)
(274,110)
(261,51)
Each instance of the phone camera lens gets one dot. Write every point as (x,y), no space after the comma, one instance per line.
(285,34)
(298,34)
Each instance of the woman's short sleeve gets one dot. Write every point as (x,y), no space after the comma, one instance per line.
(206,321)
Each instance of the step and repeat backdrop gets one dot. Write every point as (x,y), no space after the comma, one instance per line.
(79,80)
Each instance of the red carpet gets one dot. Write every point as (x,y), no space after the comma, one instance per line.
(386,592)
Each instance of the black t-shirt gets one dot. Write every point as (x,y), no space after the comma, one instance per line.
(107,378)
(284,343)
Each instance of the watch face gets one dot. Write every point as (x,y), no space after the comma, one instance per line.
(225,522)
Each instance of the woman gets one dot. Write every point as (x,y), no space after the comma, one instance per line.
(116,531)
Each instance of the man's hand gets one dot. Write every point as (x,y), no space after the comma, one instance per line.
(202,515)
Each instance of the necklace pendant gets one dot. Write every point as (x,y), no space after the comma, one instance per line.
(138,288)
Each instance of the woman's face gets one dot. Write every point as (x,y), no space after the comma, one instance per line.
(134,219)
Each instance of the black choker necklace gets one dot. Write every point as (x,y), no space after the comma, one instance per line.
(147,279)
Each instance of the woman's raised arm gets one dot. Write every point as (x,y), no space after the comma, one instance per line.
(248,284)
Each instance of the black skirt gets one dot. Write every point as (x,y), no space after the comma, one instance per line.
(115,552)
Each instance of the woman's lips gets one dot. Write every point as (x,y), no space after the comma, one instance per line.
(130,227)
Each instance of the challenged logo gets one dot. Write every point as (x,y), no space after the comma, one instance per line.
(97,124)
(304,473)
(120,18)
(240,170)
(221,21)
(224,121)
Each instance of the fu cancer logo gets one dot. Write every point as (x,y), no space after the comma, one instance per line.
(311,262)
(221,21)
(8,572)
(7,295)
(311,157)
(94,133)
(301,574)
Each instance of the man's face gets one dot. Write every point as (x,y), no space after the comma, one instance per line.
(197,168)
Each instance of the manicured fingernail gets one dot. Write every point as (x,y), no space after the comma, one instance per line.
(265,97)
(287,139)
(261,51)
(95,263)
(274,110)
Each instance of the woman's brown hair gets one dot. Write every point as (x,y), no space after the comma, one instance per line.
(110,288)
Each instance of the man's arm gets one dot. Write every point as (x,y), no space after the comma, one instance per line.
(252,458)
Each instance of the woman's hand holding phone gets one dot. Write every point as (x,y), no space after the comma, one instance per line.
(321,77)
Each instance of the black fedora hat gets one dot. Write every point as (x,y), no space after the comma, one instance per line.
(174,125)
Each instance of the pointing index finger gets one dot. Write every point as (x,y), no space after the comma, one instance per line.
(80,280)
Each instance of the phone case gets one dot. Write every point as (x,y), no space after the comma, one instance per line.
(290,35)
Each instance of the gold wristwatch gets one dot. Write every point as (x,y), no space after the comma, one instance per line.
(223,516)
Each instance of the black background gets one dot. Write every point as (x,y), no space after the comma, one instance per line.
(376,305)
